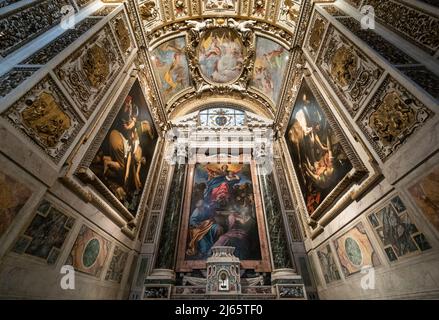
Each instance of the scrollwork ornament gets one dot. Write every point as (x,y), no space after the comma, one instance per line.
(197,30)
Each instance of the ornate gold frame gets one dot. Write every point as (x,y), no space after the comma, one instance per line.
(196,32)
(84,173)
(263,265)
(359,170)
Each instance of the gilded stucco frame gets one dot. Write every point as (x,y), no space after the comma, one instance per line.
(263,265)
(358,171)
(88,177)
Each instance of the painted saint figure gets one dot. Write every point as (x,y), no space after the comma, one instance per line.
(203,231)
(223,212)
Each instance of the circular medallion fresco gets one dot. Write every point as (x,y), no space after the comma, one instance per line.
(91,253)
(221,55)
(353,251)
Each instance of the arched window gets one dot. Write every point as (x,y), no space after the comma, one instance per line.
(221,117)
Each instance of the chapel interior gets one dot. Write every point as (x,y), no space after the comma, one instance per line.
(219,149)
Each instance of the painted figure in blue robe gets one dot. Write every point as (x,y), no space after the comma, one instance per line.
(203,231)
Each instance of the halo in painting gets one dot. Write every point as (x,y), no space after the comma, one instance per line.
(221,56)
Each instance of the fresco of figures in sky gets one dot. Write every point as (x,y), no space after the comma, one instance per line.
(221,56)
(319,160)
(269,69)
(222,212)
(123,160)
(172,71)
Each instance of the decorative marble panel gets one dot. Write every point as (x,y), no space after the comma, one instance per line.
(91,70)
(421,28)
(89,253)
(275,225)
(141,274)
(390,52)
(152,227)
(46,234)
(160,192)
(391,118)
(117,265)
(26,24)
(51,50)
(283,185)
(350,73)
(45,116)
(396,231)
(315,34)
(355,251)
(12,79)
(425,193)
(327,263)
(13,196)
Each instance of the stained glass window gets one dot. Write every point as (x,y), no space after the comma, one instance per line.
(221,117)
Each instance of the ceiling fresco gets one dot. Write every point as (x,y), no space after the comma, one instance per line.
(200,49)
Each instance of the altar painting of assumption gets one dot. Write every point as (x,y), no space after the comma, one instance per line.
(123,160)
(222,212)
(269,69)
(319,160)
(171,67)
(221,56)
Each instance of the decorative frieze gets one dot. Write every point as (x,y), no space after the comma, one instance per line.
(350,73)
(315,35)
(22,26)
(392,117)
(45,116)
(160,191)
(152,227)
(123,34)
(289,13)
(390,52)
(12,79)
(426,79)
(413,24)
(90,71)
(60,43)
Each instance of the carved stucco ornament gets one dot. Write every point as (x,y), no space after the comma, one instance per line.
(96,65)
(123,35)
(46,119)
(199,29)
